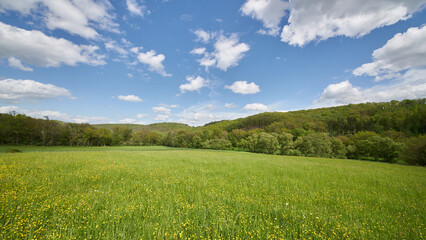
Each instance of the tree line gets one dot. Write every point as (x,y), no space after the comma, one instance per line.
(388,132)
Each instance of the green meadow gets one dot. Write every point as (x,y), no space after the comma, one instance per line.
(171,193)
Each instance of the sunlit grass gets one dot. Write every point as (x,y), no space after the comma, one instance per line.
(166,193)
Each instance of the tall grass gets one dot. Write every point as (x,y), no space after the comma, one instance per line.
(163,193)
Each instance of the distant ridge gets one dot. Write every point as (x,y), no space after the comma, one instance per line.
(407,116)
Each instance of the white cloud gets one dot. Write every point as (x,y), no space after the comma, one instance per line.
(135,50)
(162,109)
(130,98)
(322,19)
(34,47)
(164,113)
(125,42)
(228,51)
(402,59)
(8,109)
(135,8)
(204,113)
(404,51)
(54,115)
(195,84)
(162,117)
(154,61)
(198,51)
(141,115)
(112,45)
(256,107)
(242,87)
(83,119)
(270,12)
(130,121)
(340,94)
(170,106)
(79,17)
(230,105)
(12,90)
(208,60)
(411,85)
(203,36)
(14,62)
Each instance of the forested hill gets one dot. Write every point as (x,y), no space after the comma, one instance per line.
(408,117)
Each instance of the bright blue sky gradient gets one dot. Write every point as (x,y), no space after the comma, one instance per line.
(279,74)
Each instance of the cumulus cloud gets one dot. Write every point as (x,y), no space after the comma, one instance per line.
(410,85)
(79,17)
(162,117)
(12,90)
(154,61)
(402,60)
(198,51)
(162,109)
(130,121)
(203,36)
(230,105)
(35,48)
(256,107)
(135,8)
(195,84)
(242,87)
(322,19)
(113,46)
(8,109)
(130,98)
(82,119)
(403,51)
(55,115)
(208,60)
(270,12)
(340,94)
(201,114)
(228,51)
(16,63)
(163,113)
(135,50)
(141,115)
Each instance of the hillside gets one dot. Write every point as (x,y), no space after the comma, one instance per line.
(408,117)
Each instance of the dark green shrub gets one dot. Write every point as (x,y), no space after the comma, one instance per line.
(12,150)
(219,144)
(415,153)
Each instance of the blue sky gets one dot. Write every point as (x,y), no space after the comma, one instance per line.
(134,61)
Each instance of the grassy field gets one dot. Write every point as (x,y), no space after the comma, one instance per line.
(166,193)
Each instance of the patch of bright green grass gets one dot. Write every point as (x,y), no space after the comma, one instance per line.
(163,193)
